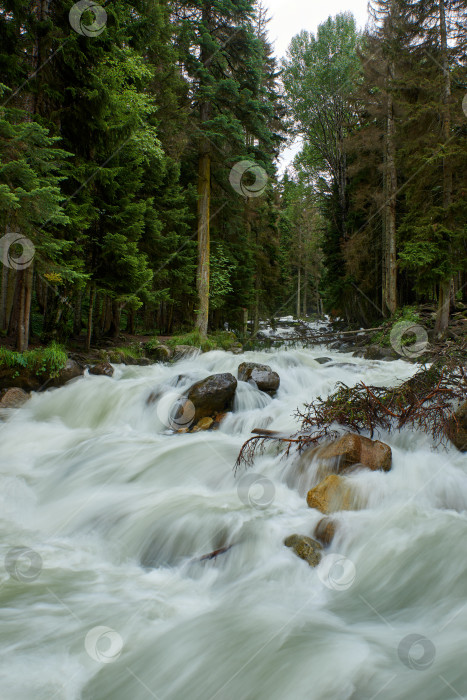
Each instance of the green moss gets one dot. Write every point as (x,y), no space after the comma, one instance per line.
(404,314)
(50,359)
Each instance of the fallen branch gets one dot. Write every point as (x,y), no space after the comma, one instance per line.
(425,402)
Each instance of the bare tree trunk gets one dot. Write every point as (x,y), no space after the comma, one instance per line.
(92,296)
(305,288)
(256,311)
(299,284)
(204,202)
(390,276)
(3,302)
(23,307)
(77,314)
(444,301)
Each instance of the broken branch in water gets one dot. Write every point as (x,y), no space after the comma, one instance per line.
(426,402)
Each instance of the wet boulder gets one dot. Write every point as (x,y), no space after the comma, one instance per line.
(203,424)
(160,353)
(103,369)
(236,348)
(322,360)
(457,428)
(14,397)
(376,352)
(212,395)
(305,548)
(72,370)
(261,375)
(183,351)
(352,449)
(331,495)
(325,531)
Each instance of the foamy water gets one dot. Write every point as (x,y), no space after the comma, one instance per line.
(105,515)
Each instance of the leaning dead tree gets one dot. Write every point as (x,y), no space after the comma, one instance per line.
(427,401)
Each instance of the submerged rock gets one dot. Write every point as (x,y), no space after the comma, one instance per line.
(331,495)
(352,449)
(322,360)
(181,351)
(325,531)
(212,395)
(305,548)
(236,348)
(376,352)
(104,369)
(14,397)
(261,375)
(203,424)
(458,428)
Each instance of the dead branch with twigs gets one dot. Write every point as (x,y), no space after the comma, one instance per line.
(427,401)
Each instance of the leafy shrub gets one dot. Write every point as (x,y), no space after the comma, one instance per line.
(404,314)
(50,359)
(220,340)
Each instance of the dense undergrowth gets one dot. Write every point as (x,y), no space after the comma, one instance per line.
(50,359)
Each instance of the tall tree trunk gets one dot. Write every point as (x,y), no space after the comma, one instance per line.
(299,284)
(77,314)
(204,198)
(24,296)
(305,289)
(390,274)
(444,300)
(92,296)
(342,181)
(4,297)
(204,202)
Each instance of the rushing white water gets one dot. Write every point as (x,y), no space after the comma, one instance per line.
(104,516)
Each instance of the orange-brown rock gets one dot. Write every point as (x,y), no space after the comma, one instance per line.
(353,449)
(331,494)
(325,531)
(203,424)
(13,397)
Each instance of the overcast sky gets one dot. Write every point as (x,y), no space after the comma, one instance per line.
(289,17)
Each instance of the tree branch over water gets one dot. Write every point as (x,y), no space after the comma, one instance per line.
(427,402)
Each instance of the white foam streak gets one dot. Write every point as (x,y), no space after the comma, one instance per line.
(120,512)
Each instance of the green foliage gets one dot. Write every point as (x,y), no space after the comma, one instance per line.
(134,352)
(220,340)
(405,314)
(48,360)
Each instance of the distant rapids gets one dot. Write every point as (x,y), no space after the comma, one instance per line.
(105,515)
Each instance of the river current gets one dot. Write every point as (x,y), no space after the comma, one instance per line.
(106,515)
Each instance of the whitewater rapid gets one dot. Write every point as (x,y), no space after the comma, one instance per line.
(105,514)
